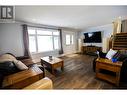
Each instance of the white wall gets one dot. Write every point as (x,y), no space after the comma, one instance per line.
(11,40)
(106,33)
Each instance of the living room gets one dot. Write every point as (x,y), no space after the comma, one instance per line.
(62,43)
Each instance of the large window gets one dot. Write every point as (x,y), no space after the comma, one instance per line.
(43,40)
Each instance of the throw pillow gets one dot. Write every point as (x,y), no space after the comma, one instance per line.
(7,68)
(120,55)
(117,55)
(20,65)
(110,54)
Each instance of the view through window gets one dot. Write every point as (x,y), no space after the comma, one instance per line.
(69,39)
(43,40)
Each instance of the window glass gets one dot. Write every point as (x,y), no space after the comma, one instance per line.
(32,44)
(44,32)
(68,40)
(31,31)
(43,40)
(56,33)
(45,43)
(56,42)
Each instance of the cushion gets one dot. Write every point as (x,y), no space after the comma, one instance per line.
(120,56)
(20,65)
(11,58)
(110,54)
(7,68)
(7,57)
(117,55)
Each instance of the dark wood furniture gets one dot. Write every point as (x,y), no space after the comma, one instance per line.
(53,64)
(31,78)
(44,83)
(90,49)
(22,79)
(103,65)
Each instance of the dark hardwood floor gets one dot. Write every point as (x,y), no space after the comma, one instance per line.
(78,74)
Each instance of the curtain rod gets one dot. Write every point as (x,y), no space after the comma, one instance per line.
(43,27)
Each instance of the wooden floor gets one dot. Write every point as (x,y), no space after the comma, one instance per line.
(78,74)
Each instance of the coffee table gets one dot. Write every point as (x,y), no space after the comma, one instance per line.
(52,64)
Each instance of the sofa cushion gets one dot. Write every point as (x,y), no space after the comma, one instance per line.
(120,55)
(110,54)
(7,68)
(6,57)
(20,65)
(11,58)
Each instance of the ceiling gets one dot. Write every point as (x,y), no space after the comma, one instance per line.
(77,17)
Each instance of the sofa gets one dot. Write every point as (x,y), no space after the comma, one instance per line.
(12,76)
(121,55)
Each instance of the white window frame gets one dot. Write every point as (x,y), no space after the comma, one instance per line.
(36,38)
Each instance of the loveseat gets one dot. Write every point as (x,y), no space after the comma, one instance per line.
(13,77)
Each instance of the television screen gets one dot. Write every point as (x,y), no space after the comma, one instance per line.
(93,37)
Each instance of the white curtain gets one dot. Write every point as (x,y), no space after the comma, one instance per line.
(117,26)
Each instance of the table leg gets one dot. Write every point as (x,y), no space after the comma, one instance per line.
(43,68)
(62,67)
(117,78)
(52,70)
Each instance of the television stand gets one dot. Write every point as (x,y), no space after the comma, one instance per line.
(91,46)
(90,50)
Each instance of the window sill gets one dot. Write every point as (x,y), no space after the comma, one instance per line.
(45,52)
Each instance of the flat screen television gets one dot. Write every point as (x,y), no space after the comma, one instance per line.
(93,37)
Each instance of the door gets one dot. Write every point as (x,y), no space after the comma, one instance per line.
(69,42)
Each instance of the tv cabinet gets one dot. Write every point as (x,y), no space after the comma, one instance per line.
(91,50)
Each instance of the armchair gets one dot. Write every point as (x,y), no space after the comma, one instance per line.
(121,55)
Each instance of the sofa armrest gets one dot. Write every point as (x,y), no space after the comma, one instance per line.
(22,57)
(44,83)
(23,78)
(27,62)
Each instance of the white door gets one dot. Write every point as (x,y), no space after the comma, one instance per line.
(69,42)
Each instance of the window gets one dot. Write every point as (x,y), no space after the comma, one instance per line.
(45,43)
(69,39)
(42,40)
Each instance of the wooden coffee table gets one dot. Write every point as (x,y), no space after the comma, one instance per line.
(52,64)
(108,65)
